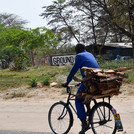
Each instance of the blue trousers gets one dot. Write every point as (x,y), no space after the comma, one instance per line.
(79,105)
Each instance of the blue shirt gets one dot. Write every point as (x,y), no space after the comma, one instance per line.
(83,59)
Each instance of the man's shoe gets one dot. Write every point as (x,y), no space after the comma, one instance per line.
(84,129)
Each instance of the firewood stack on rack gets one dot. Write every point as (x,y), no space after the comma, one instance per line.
(101,82)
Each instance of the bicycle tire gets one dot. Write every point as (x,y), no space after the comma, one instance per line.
(102,119)
(60,118)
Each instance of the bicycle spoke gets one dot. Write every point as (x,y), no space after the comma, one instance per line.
(108,126)
(60,118)
(102,119)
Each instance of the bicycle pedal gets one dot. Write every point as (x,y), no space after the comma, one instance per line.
(84,130)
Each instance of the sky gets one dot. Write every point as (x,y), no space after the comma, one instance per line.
(28,10)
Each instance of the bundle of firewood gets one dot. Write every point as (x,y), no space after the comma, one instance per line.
(101,82)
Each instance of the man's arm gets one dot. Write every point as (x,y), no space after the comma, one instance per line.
(74,68)
(73,71)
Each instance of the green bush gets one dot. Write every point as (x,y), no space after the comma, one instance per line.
(33,83)
(115,64)
(130,76)
(46,80)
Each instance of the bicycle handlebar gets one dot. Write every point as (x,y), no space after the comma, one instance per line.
(69,87)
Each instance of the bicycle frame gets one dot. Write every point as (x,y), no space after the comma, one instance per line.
(71,97)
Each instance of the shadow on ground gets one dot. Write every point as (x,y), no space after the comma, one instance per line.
(21,132)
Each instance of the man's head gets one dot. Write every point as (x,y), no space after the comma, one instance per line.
(79,48)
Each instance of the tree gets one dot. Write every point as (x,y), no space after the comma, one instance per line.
(92,20)
(43,39)
(51,41)
(10,20)
(11,41)
(120,16)
(11,38)
(95,29)
(60,18)
(17,44)
(76,19)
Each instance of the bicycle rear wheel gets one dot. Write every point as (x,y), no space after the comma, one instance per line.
(60,118)
(102,119)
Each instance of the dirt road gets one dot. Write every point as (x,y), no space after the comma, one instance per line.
(25,117)
(30,117)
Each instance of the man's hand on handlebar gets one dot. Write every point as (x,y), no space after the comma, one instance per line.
(65,84)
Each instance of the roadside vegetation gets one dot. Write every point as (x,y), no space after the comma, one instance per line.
(23,49)
(44,75)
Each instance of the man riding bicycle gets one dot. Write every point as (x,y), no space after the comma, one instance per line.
(83,59)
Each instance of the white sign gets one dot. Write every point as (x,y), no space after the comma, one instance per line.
(62,60)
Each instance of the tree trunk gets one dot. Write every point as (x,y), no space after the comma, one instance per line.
(133,47)
(32,58)
(50,56)
(103,43)
(100,49)
(93,28)
(69,27)
(133,39)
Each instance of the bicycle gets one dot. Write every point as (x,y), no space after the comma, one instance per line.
(102,116)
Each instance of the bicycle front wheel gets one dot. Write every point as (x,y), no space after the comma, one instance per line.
(60,118)
(102,119)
